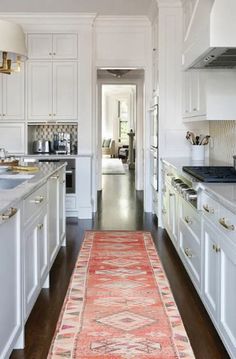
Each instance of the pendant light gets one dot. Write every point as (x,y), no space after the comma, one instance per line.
(12,47)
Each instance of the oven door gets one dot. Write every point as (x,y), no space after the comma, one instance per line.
(70,176)
(154,167)
(154,126)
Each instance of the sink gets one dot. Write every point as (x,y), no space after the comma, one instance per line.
(10,183)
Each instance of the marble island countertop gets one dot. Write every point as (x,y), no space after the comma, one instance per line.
(225,193)
(32,180)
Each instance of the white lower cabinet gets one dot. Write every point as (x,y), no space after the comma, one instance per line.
(56,208)
(10,281)
(219,290)
(35,257)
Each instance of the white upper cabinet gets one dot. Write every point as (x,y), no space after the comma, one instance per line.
(52,46)
(12,96)
(52,91)
(209,95)
(194,94)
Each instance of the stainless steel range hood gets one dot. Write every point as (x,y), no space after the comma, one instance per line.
(217,58)
(210,40)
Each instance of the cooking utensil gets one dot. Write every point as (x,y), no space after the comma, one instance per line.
(205,140)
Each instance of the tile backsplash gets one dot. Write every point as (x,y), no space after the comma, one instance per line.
(223,135)
(41,131)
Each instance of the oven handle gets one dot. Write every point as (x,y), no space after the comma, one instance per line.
(69,171)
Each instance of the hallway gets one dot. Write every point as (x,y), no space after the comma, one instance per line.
(120,207)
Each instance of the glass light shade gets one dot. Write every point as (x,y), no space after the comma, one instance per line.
(12,41)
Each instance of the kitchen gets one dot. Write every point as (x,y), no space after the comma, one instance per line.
(166,44)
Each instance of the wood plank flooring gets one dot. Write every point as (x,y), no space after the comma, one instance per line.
(119,207)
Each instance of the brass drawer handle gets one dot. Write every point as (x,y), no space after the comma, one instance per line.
(208,209)
(216,248)
(38,200)
(55,177)
(188,220)
(188,253)
(171,194)
(40,226)
(7,215)
(229,227)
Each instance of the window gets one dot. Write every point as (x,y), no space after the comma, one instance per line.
(123,120)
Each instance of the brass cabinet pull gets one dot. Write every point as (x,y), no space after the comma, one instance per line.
(40,226)
(216,248)
(188,253)
(55,177)
(229,227)
(50,53)
(171,194)
(54,53)
(50,114)
(38,200)
(207,208)
(10,213)
(188,220)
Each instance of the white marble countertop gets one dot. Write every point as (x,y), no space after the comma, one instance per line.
(225,193)
(9,197)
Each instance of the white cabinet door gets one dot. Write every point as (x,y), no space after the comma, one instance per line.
(13,137)
(39,91)
(40,46)
(65,46)
(43,245)
(53,218)
(194,94)
(31,265)
(52,46)
(10,283)
(13,105)
(62,194)
(227,278)
(65,91)
(210,269)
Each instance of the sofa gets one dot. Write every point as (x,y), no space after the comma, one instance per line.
(109,147)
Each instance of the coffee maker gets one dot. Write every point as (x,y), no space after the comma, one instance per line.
(62,143)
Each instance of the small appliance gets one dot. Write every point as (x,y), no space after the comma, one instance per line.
(42,146)
(62,143)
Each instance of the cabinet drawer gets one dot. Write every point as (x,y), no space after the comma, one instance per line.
(226,221)
(190,251)
(34,202)
(210,207)
(192,219)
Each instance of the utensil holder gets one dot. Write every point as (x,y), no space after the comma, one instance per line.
(198,152)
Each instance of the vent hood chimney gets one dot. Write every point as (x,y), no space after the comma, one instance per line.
(210,40)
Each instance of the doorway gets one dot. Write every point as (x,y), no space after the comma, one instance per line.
(118,128)
(119,112)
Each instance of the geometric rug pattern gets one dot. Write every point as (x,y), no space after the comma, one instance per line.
(119,306)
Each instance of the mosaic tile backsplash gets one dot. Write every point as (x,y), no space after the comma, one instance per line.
(223,134)
(39,132)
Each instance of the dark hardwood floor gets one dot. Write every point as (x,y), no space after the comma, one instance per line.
(119,207)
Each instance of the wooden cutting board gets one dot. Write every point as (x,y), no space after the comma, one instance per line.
(9,163)
(25,168)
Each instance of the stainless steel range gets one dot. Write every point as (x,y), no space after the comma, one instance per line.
(213,174)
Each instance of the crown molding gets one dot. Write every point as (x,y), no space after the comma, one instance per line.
(104,20)
(49,18)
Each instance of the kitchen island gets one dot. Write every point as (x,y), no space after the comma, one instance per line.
(32,230)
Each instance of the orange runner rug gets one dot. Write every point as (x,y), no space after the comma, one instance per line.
(119,304)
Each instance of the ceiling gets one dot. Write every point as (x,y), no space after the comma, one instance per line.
(101,7)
